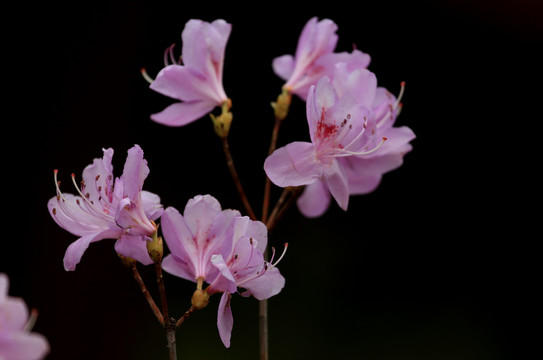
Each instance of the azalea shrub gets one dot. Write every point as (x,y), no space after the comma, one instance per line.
(224,252)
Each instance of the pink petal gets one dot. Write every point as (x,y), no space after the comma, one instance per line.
(178,267)
(315,200)
(225,320)
(204,42)
(135,247)
(179,240)
(362,83)
(220,234)
(4,286)
(134,173)
(293,165)
(337,183)
(68,215)
(398,139)
(200,213)
(265,286)
(183,113)
(245,227)
(23,346)
(364,184)
(98,177)
(316,39)
(225,281)
(188,84)
(151,205)
(283,66)
(76,249)
(14,314)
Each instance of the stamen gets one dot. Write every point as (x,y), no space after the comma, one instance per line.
(89,202)
(146,76)
(31,320)
(349,153)
(359,134)
(282,255)
(169,52)
(397,105)
(400,95)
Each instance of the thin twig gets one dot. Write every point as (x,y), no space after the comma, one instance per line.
(277,207)
(148,296)
(282,208)
(161,290)
(185,316)
(235,177)
(169,323)
(267,185)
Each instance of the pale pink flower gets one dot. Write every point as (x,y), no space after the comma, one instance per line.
(244,268)
(197,82)
(193,238)
(222,248)
(314,57)
(349,120)
(17,342)
(108,208)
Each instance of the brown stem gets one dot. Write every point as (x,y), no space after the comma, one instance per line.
(148,296)
(169,323)
(282,206)
(267,185)
(170,336)
(235,177)
(263,328)
(277,207)
(185,316)
(161,290)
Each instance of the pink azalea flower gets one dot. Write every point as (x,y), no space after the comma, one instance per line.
(349,120)
(244,268)
(314,57)
(108,208)
(221,248)
(364,173)
(193,238)
(197,83)
(16,340)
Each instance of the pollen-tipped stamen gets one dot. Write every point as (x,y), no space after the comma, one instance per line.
(146,76)
(400,95)
(89,203)
(345,152)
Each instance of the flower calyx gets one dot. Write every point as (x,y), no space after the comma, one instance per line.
(155,247)
(200,298)
(282,105)
(222,122)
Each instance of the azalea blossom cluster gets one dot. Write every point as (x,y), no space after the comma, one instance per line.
(353,143)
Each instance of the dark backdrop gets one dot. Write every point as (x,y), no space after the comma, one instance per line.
(438,263)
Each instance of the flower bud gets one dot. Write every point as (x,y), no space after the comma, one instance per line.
(200,299)
(155,248)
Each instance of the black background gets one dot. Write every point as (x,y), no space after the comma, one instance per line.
(438,263)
